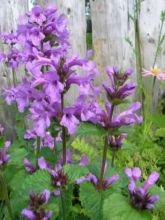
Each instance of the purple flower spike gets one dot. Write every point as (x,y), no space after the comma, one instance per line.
(139,197)
(35,209)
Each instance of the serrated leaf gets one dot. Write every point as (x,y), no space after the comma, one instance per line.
(75,171)
(17,156)
(117,207)
(37,182)
(91,199)
(48,154)
(155,190)
(88,129)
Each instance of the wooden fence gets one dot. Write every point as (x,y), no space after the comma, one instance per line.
(111,24)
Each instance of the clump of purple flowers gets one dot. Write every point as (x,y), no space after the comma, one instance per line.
(140,198)
(50,72)
(35,210)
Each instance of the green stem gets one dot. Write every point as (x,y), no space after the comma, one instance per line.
(105,152)
(63,132)
(103,162)
(138,55)
(113,158)
(4,192)
(156,54)
(62,204)
(38,150)
(14,77)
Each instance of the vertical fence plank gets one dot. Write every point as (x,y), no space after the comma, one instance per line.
(11,10)
(111,26)
(149,21)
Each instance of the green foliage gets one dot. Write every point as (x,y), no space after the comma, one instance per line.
(88,129)
(75,171)
(117,207)
(91,199)
(84,148)
(37,182)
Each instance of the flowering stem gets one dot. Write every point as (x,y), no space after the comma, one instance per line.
(113,158)
(138,54)
(105,152)
(38,149)
(103,162)
(62,204)
(63,132)
(4,195)
(14,78)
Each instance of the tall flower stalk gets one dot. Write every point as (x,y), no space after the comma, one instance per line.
(138,55)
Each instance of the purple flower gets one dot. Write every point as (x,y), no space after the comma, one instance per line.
(127,117)
(95,181)
(70,122)
(134,173)
(151,180)
(3,154)
(139,196)
(115,142)
(40,117)
(29,167)
(36,36)
(35,210)
(36,15)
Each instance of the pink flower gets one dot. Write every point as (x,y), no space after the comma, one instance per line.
(158,73)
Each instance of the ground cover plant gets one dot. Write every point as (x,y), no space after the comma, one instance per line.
(81,159)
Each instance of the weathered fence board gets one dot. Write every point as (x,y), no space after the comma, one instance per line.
(111,26)
(149,22)
(10,12)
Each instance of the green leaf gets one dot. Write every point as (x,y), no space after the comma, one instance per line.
(75,171)
(37,182)
(159,120)
(48,154)
(117,207)
(91,199)
(155,190)
(17,156)
(160,132)
(88,129)
(2,187)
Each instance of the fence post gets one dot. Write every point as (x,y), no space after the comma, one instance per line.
(111,26)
